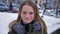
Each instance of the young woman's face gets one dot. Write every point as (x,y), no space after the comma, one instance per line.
(27,14)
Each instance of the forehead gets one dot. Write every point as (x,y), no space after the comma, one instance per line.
(27,7)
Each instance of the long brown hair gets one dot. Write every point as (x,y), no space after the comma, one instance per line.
(36,15)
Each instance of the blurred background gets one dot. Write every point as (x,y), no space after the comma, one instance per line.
(49,11)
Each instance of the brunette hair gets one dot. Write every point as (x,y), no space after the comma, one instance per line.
(36,15)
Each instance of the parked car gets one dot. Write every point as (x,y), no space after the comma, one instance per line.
(59,10)
(15,7)
(3,7)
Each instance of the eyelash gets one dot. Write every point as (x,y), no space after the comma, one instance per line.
(26,13)
(31,13)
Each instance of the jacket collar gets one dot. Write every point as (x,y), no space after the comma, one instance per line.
(20,28)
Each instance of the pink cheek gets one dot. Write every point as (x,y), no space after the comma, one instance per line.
(23,15)
(32,16)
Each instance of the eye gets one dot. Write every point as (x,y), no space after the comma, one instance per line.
(24,12)
(31,13)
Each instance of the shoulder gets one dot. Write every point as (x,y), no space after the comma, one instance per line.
(12,23)
(11,32)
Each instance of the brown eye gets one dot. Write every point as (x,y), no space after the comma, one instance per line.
(24,12)
(31,13)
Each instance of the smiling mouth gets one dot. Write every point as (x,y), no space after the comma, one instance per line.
(27,19)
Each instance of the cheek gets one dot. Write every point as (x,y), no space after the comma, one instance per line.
(32,16)
(22,15)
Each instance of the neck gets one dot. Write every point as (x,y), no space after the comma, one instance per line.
(26,23)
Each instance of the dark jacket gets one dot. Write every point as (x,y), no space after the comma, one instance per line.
(32,28)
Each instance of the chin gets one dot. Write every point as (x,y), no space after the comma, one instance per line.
(27,21)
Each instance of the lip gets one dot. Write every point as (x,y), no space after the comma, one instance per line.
(27,19)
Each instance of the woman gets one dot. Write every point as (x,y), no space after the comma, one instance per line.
(28,21)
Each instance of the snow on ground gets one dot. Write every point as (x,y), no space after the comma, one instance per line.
(5,18)
(52,23)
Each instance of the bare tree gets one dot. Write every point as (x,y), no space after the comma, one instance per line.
(57,7)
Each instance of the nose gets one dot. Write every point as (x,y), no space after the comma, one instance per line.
(27,15)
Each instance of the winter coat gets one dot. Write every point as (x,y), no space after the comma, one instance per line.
(33,28)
